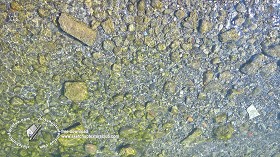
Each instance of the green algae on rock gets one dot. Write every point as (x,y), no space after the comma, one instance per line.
(77,29)
(229,35)
(91,149)
(76,91)
(193,137)
(224,132)
(127,151)
(108,26)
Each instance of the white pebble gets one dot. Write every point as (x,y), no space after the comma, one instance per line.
(252,111)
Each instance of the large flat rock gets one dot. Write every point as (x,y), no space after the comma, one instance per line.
(77,29)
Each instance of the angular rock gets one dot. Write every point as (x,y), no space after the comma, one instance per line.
(169,87)
(180,14)
(108,26)
(108,45)
(253,64)
(207,77)
(76,91)
(127,151)
(273,50)
(268,69)
(193,137)
(77,29)
(252,111)
(157,4)
(90,149)
(228,36)
(205,26)
(224,132)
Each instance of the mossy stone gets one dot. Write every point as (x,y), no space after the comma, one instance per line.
(127,152)
(169,87)
(229,35)
(108,26)
(192,137)
(108,45)
(157,4)
(16,6)
(221,118)
(16,101)
(224,132)
(141,5)
(90,149)
(76,91)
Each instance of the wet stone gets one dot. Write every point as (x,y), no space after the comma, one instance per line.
(169,87)
(90,149)
(108,45)
(253,64)
(16,101)
(224,132)
(221,118)
(273,50)
(207,77)
(192,137)
(268,69)
(240,7)
(131,28)
(76,91)
(228,36)
(157,4)
(77,29)
(127,152)
(141,5)
(16,6)
(108,26)
(180,14)
(205,26)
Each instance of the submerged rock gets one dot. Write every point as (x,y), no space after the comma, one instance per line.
(127,151)
(90,149)
(253,64)
(193,137)
(76,91)
(108,26)
(228,36)
(224,132)
(273,50)
(77,29)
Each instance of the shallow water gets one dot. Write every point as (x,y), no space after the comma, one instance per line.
(139,78)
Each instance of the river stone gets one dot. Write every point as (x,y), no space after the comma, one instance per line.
(253,64)
(273,51)
(77,29)
(76,91)
(228,36)
(90,149)
(108,26)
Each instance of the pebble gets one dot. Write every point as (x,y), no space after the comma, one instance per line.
(252,111)
(207,77)
(131,28)
(108,26)
(205,26)
(77,29)
(253,64)
(229,35)
(108,45)
(194,135)
(127,151)
(241,8)
(273,50)
(76,91)
(180,14)
(90,149)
